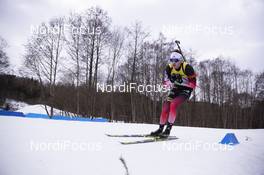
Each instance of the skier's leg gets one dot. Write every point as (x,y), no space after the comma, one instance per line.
(175,103)
(180,97)
(163,118)
(166,106)
(165,112)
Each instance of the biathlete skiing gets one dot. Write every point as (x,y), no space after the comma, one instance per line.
(181,76)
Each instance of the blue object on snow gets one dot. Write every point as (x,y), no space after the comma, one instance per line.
(59,117)
(99,120)
(230,139)
(45,116)
(34,115)
(11,113)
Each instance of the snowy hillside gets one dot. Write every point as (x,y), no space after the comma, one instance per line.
(49,147)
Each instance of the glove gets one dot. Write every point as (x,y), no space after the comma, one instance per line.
(189,84)
(177,79)
(167,84)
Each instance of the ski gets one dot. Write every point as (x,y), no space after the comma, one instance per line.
(129,135)
(149,140)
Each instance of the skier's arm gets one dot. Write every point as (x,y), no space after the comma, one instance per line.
(166,76)
(189,71)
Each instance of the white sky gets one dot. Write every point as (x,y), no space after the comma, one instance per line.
(232,28)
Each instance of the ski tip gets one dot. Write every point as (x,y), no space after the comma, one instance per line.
(125,143)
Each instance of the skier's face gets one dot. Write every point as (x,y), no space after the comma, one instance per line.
(177,64)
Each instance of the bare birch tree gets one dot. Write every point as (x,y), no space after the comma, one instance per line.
(43,54)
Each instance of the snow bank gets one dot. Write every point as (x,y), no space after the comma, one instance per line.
(16,105)
(38,109)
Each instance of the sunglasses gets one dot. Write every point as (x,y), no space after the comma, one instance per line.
(174,60)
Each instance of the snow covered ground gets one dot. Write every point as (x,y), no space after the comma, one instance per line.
(49,147)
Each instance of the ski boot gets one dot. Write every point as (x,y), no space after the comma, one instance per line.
(158,131)
(166,133)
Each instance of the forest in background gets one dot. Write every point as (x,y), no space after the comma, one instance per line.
(66,57)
